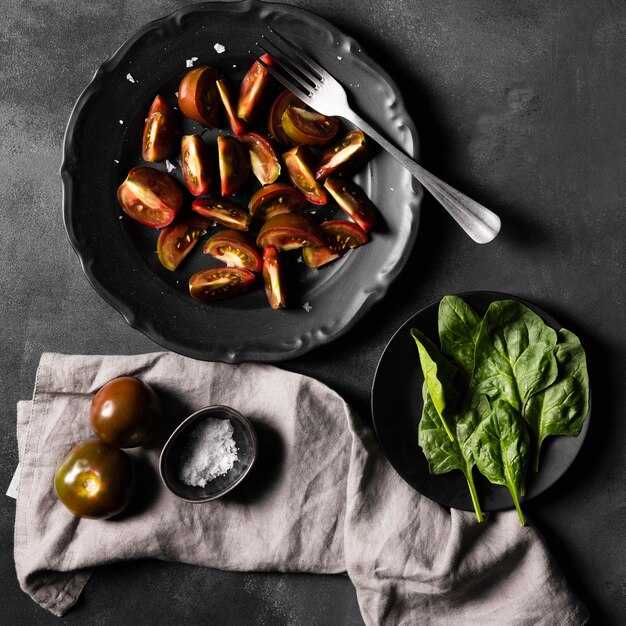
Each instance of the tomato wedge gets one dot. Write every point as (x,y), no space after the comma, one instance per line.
(341,236)
(308,128)
(177,240)
(150,197)
(234,164)
(290,231)
(219,283)
(298,163)
(263,160)
(198,97)
(159,131)
(237,126)
(252,88)
(274,123)
(344,157)
(235,248)
(222,212)
(352,199)
(272,278)
(275,199)
(194,161)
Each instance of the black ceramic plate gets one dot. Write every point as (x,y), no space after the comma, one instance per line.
(102,143)
(397,408)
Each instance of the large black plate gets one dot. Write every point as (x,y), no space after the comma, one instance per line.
(397,408)
(102,143)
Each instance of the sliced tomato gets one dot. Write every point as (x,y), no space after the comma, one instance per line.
(263,160)
(275,199)
(353,200)
(308,128)
(252,88)
(290,231)
(159,131)
(234,248)
(274,123)
(198,96)
(298,162)
(219,283)
(178,239)
(194,161)
(316,256)
(234,164)
(150,196)
(346,156)
(222,211)
(341,236)
(237,126)
(273,279)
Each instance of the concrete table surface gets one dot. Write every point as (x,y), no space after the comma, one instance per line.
(522,105)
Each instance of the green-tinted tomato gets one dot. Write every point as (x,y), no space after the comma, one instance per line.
(272,278)
(253,86)
(95,480)
(298,163)
(275,199)
(219,283)
(341,236)
(198,96)
(222,211)
(352,199)
(159,131)
(237,126)
(308,128)
(274,122)
(194,162)
(234,248)
(234,164)
(290,231)
(346,156)
(263,160)
(178,239)
(126,412)
(150,196)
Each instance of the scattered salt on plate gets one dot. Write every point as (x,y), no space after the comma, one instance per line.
(307,307)
(129,78)
(340,58)
(170,166)
(121,121)
(190,62)
(219,48)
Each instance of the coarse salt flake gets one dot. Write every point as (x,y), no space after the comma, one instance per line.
(170,166)
(121,121)
(219,48)
(115,161)
(190,62)
(307,307)
(339,58)
(209,452)
(129,78)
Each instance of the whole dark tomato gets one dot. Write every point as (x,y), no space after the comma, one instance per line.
(126,412)
(95,480)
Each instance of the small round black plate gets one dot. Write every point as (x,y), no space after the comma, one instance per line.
(397,409)
(103,142)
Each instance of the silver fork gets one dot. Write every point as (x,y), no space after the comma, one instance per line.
(322,92)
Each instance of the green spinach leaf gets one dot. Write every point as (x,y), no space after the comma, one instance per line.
(458,331)
(562,408)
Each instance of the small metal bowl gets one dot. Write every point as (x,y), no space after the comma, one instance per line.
(245,440)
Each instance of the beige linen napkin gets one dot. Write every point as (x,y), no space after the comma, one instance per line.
(321,498)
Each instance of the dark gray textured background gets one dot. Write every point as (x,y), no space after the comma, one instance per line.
(522,105)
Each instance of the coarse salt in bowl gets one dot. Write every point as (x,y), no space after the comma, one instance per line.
(208,454)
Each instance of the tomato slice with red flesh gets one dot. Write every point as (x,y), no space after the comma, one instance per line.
(298,163)
(341,236)
(150,197)
(275,199)
(235,248)
(263,160)
(159,131)
(198,96)
(290,231)
(308,128)
(353,200)
(253,86)
(223,212)
(273,279)
(234,164)
(177,240)
(237,126)
(219,283)
(274,122)
(346,156)
(194,162)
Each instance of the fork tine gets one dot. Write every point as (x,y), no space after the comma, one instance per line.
(301,69)
(298,90)
(323,74)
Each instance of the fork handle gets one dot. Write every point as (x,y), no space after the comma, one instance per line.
(481,224)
